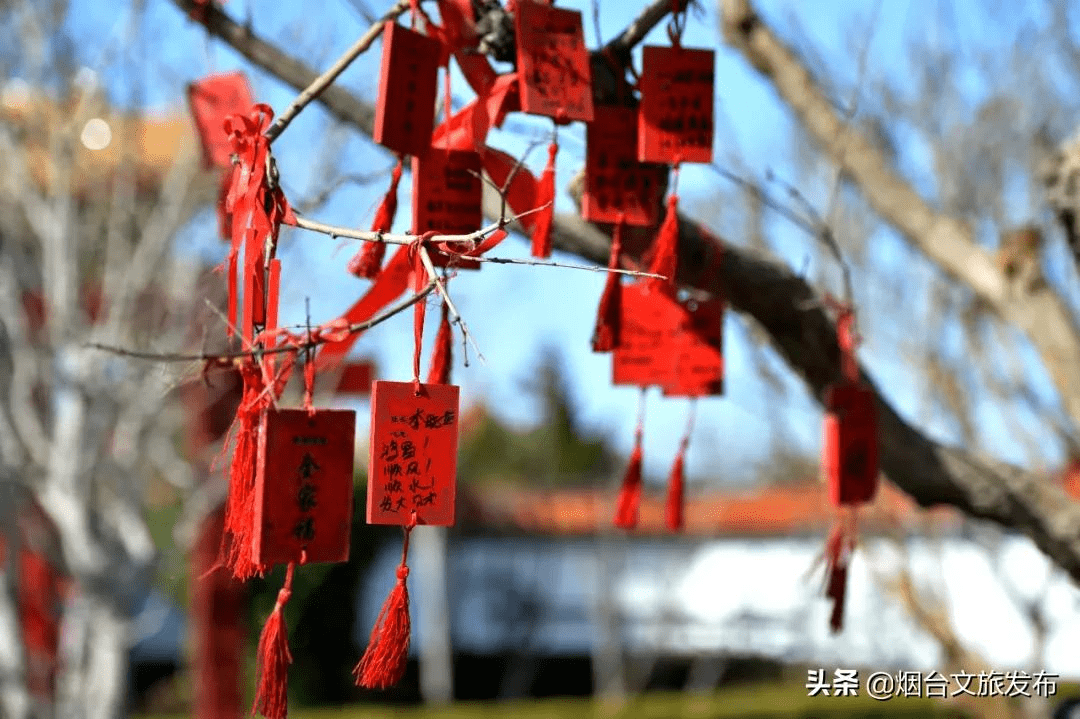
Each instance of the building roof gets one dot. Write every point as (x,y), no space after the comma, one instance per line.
(770,511)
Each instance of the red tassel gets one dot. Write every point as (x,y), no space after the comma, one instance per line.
(626,512)
(837,551)
(237,540)
(272,689)
(441,357)
(673,512)
(609,314)
(368,261)
(665,259)
(387,655)
(545,195)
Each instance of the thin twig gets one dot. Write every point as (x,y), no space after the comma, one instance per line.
(540,263)
(324,81)
(297,347)
(404,239)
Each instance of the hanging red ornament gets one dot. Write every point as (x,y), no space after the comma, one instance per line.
(628,502)
(408,87)
(545,197)
(213,99)
(699,366)
(676,113)
(615,182)
(441,356)
(386,657)
(849,458)
(651,327)
(367,262)
(303,495)
(274,658)
(676,495)
(608,332)
(447,198)
(553,62)
(413,461)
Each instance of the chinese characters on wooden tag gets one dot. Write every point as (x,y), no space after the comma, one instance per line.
(676,113)
(413,453)
(699,365)
(447,197)
(652,325)
(304,486)
(553,62)
(408,86)
(850,448)
(213,99)
(614,179)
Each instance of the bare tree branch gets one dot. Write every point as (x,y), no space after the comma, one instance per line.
(945,240)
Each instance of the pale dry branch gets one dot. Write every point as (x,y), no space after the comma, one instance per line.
(945,240)
(296,346)
(322,82)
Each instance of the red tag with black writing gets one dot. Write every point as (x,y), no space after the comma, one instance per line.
(553,62)
(850,447)
(304,486)
(408,86)
(676,114)
(652,325)
(699,368)
(413,453)
(614,179)
(213,99)
(448,197)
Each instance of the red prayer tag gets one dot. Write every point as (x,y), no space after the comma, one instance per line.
(448,197)
(614,179)
(408,86)
(651,335)
(676,114)
(553,62)
(213,99)
(699,369)
(850,447)
(304,486)
(413,453)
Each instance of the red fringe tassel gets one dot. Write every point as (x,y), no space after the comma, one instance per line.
(368,261)
(384,662)
(272,689)
(609,315)
(545,195)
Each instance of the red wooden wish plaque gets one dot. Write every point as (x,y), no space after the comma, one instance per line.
(408,87)
(553,62)
(614,179)
(676,113)
(212,99)
(413,453)
(304,486)
(699,367)
(653,323)
(447,197)
(850,447)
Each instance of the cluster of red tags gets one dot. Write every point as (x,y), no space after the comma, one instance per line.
(291,477)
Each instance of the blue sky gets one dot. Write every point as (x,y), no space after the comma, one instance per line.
(513,311)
